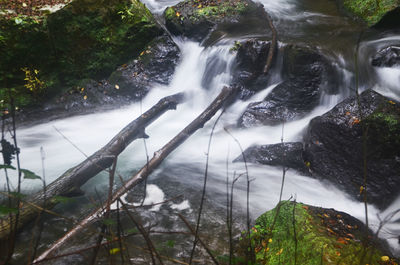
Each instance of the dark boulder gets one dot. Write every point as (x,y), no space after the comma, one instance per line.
(249,64)
(334,147)
(156,64)
(307,75)
(387,57)
(286,154)
(196,19)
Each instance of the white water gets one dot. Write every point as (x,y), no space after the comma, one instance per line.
(90,132)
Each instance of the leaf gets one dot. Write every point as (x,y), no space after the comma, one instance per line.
(85,97)
(114,251)
(7,167)
(6,210)
(170,243)
(132,231)
(29,174)
(385,258)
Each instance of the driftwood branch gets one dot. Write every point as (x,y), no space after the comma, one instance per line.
(274,44)
(147,169)
(71,181)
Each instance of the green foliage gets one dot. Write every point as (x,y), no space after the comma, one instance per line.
(235,47)
(370,11)
(29,174)
(315,241)
(85,39)
(4,210)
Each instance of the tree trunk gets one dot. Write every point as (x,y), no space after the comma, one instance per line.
(71,181)
(142,174)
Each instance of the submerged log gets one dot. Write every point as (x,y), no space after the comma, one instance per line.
(145,171)
(71,181)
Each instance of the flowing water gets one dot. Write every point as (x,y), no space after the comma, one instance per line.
(301,21)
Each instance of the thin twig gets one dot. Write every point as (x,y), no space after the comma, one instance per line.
(250,254)
(203,194)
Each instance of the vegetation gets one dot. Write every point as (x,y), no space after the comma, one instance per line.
(206,9)
(310,235)
(85,39)
(371,11)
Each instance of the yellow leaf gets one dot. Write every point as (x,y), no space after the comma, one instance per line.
(385,258)
(361,189)
(279,252)
(82,89)
(393,103)
(178,14)
(116,86)
(270,240)
(36,71)
(199,6)
(85,97)
(142,53)
(114,251)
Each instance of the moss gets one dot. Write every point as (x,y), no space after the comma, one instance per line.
(227,8)
(85,39)
(384,130)
(371,11)
(322,237)
(170,13)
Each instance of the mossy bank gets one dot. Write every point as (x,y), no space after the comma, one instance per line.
(42,56)
(312,235)
(370,11)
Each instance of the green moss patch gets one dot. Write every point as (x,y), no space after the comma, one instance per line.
(311,235)
(371,11)
(85,39)
(383,130)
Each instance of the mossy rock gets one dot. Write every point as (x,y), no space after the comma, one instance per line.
(85,39)
(315,236)
(383,127)
(195,19)
(370,11)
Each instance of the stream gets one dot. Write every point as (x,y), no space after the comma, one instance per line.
(316,23)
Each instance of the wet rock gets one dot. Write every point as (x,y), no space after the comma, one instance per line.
(195,19)
(334,147)
(250,61)
(156,64)
(314,234)
(387,57)
(307,75)
(286,154)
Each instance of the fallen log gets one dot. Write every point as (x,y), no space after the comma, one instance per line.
(71,181)
(147,169)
